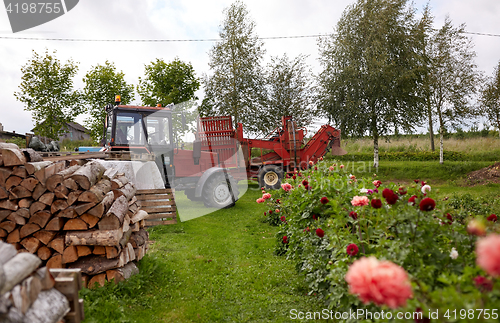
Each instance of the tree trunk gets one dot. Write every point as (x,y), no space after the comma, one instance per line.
(441,135)
(375,149)
(431,129)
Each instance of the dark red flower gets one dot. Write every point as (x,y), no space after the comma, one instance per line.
(305,183)
(283,219)
(307,229)
(315,217)
(324,200)
(387,192)
(421,319)
(353,215)
(352,249)
(412,199)
(315,168)
(300,174)
(320,233)
(278,201)
(376,203)
(427,204)
(294,177)
(492,218)
(483,284)
(377,183)
(423,183)
(265,213)
(416,180)
(402,190)
(270,212)
(392,199)
(450,218)
(287,176)
(285,239)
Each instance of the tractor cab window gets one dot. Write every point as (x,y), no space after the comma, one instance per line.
(158,129)
(129,129)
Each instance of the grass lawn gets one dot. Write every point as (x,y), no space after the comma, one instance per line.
(215,268)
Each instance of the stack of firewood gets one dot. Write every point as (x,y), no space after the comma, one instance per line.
(71,214)
(27,294)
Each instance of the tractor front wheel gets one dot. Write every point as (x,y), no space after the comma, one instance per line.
(270,177)
(220,192)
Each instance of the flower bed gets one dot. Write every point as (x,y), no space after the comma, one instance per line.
(364,245)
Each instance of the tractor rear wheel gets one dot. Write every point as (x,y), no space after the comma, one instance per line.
(219,192)
(270,177)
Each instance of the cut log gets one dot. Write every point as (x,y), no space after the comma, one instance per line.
(24,212)
(70,184)
(113,275)
(38,191)
(19,192)
(126,223)
(7,252)
(44,252)
(125,239)
(31,155)
(44,236)
(8,145)
(20,171)
(4,214)
(89,219)
(131,252)
(36,206)
(31,244)
(138,216)
(61,192)
(17,219)
(128,191)
(115,216)
(55,261)
(4,174)
(56,224)
(41,218)
(89,174)
(3,234)
(97,281)
(119,181)
(110,173)
(14,236)
(8,205)
(73,197)
(50,306)
(75,224)
(47,198)
(46,278)
(93,265)
(3,193)
(96,192)
(69,255)
(69,213)
(28,229)
(13,157)
(8,226)
(33,167)
(81,208)
(25,203)
(33,288)
(58,205)
(57,244)
(53,169)
(113,252)
(29,183)
(98,250)
(56,179)
(18,268)
(83,251)
(20,299)
(102,207)
(12,181)
(94,237)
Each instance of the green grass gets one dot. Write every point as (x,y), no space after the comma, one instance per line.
(216,268)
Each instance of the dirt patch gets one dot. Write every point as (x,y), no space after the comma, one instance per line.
(490,174)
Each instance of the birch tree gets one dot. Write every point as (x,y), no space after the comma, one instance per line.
(490,98)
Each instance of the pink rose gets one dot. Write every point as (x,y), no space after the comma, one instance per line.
(266,196)
(287,187)
(488,254)
(381,282)
(260,200)
(360,201)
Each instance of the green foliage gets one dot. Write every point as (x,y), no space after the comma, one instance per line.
(490,98)
(102,83)
(418,241)
(70,145)
(47,92)
(20,142)
(236,85)
(421,156)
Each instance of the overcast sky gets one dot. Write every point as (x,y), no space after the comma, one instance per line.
(196,19)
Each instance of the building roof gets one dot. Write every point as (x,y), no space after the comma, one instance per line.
(74,125)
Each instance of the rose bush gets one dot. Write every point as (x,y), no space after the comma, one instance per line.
(335,221)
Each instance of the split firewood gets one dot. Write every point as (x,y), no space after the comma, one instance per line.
(12,181)
(7,252)
(20,299)
(4,175)
(47,198)
(96,192)
(113,275)
(31,244)
(89,174)
(102,207)
(69,213)
(44,236)
(119,181)
(13,157)
(81,208)
(58,205)
(33,167)
(14,236)
(8,226)
(70,254)
(57,244)
(20,171)
(25,203)
(98,250)
(113,252)
(128,191)
(139,238)
(73,197)
(94,237)
(50,306)
(56,224)
(18,268)
(83,251)
(19,192)
(46,278)
(93,265)
(29,183)
(44,253)
(89,219)
(53,169)
(138,216)
(123,273)
(3,233)
(131,252)
(61,192)
(70,184)
(3,193)
(24,212)
(97,280)
(17,219)
(41,218)
(37,206)
(125,238)
(115,216)
(110,174)
(31,155)
(28,229)
(38,191)
(55,261)
(33,288)
(8,205)
(126,223)
(4,214)
(75,224)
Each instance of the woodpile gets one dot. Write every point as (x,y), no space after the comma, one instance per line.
(71,214)
(32,294)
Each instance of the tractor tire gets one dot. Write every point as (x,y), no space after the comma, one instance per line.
(190,195)
(270,177)
(218,192)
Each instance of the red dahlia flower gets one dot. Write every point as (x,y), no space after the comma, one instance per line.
(283,218)
(376,203)
(294,177)
(427,204)
(387,192)
(492,218)
(315,217)
(450,218)
(402,190)
(270,211)
(285,239)
(320,233)
(353,215)
(305,183)
(324,200)
(412,199)
(483,284)
(352,249)
(392,199)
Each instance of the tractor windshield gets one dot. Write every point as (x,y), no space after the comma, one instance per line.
(158,128)
(129,129)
